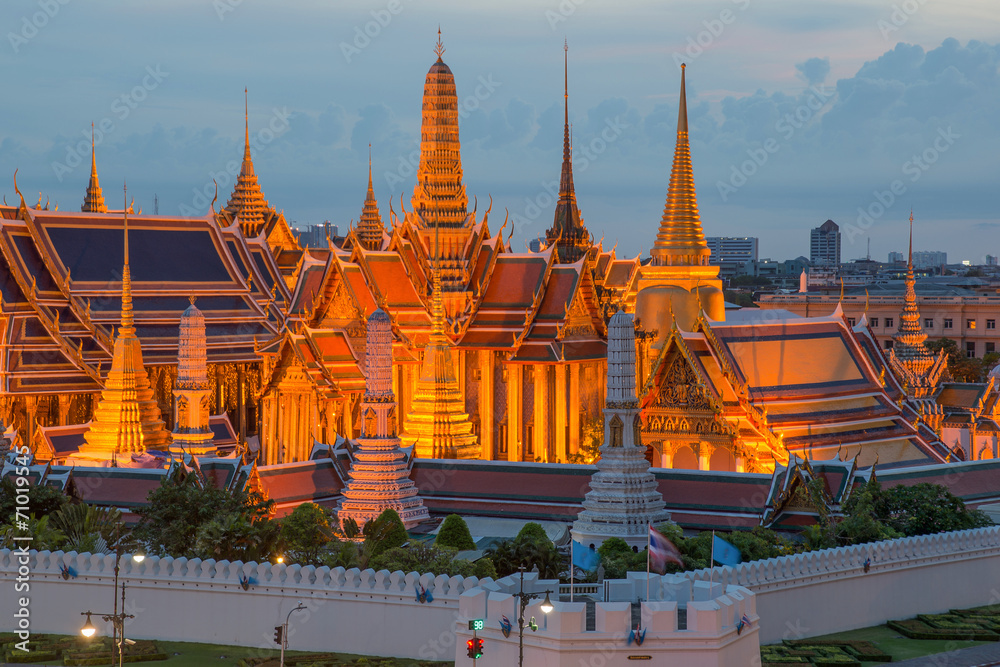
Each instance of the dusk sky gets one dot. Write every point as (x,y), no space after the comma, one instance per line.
(800,110)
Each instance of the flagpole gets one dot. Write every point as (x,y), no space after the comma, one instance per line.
(649,552)
(572,567)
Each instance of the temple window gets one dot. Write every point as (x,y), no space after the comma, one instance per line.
(991,324)
(928,323)
(947,323)
(888,322)
(616,431)
(970,324)
(874,323)
(970,349)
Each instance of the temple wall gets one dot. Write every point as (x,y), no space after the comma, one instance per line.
(203,601)
(827,591)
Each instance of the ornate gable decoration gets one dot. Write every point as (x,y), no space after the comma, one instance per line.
(680,388)
(579,323)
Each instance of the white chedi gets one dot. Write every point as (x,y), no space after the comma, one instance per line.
(623,498)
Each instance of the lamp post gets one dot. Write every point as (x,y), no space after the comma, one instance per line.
(523,599)
(284,633)
(116,618)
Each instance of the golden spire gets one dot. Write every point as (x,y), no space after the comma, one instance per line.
(438,425)
(127,418)
(247,202)
(680,240)
(439,195)
(93,202)
(128,323)
(908,341)
(370,227)
(568,233)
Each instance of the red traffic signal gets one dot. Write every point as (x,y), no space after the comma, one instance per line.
(475,648)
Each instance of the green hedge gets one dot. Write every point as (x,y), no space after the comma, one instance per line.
(31,656)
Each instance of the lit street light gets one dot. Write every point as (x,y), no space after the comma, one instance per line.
(546,607)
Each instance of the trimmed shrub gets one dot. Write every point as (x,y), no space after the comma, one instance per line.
(455,533)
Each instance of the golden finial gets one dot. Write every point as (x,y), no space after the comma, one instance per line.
(866,299)
(127,327)
(192,299)
(439,48)
(841,289)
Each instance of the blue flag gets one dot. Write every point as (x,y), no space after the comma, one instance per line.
(726,553)
(585,558)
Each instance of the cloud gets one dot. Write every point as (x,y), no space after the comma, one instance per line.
(814,70)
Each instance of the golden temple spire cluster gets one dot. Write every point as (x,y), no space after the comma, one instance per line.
(370,226)
(93,202)
(127,418)
(247,202)
(439,197)
(568,233)
(680,240)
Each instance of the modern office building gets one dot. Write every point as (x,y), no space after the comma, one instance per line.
(824,244)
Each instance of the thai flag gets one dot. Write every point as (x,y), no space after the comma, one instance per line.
(662,551)
(743,622)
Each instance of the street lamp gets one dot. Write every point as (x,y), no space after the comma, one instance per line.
(523,597)
(116,618)
(284,631)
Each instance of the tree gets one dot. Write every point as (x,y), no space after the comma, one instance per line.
(532,547)
(42,500)
(305,532)
(455,533)
(925,508)
(43,535)
(423,557)
(961,367)
(178,509)
(90,529)
(590,442)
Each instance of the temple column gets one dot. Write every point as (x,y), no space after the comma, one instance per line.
(703,450)
(574,409)
(64,403)
(513,412)
(218,390)
(31,414)
(486,405)
(540,446)
(740,464)
(562,453)
(241,404)
(666,455)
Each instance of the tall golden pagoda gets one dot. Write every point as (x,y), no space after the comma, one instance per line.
(191,433)
(438,424)
(94,200)
(127,419)
(913,363)
(247,202)
(440,205)
(370,226)
(568,233)
(679,283)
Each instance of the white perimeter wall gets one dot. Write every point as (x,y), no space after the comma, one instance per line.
(377,614)
(828,591)
(352,611)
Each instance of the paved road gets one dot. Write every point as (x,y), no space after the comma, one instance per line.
(987,655)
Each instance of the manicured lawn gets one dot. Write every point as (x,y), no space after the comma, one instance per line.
(185,654)
(899,647)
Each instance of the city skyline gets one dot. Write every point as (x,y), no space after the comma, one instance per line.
(323,90)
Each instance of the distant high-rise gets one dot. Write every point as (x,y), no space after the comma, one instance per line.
(824,245)
(732,249)
(896,258)
(929,259)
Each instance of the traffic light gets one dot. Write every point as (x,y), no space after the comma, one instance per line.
(475,646)
(277,634)
(471,648)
